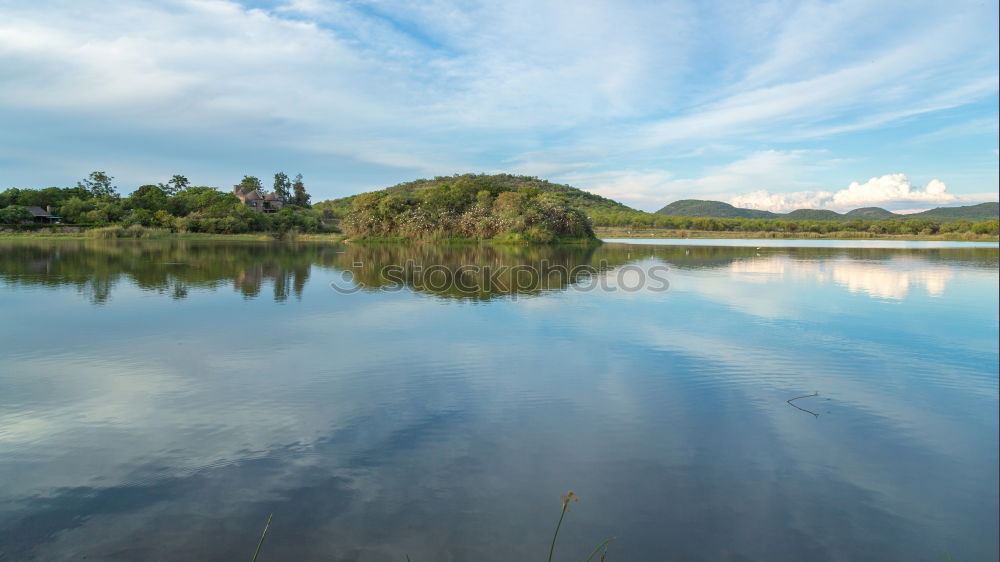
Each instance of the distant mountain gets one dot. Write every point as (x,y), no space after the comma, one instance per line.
(870,213)
(980,212)
(813,215)
(718,209)
(700,208)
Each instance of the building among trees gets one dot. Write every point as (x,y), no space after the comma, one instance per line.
(41,215)
(259,203)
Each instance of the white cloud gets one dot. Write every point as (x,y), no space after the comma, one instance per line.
(446,86)
(652,189)
(890,188)
(780,202)
(791,180)
(891,191)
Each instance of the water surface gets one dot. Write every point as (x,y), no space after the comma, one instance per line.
(159,399)
(803,243)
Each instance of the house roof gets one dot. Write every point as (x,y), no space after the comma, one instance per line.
(38,211)
(271,196)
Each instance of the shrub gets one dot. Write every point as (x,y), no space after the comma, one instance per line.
(107,232)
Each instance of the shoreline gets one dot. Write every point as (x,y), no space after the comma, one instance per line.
(77,233)
(614,232)
(194,236)
(602,233)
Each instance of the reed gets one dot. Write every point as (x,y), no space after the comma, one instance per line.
(260,542)
(570,497)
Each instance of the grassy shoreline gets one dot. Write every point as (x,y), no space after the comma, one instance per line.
(604,232)
(246,237)
(617,232)
(276,237)
(136,232)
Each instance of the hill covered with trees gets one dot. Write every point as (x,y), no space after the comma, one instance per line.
(980,212)
(700,208)
(578,199)
(870,213)
(477,207)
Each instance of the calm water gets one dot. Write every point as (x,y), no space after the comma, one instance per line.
(158,400)
(805,243)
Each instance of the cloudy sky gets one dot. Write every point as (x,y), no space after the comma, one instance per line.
(771,105)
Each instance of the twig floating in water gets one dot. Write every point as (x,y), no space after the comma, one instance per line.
(790,400)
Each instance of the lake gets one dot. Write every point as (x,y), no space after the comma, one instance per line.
(158,399)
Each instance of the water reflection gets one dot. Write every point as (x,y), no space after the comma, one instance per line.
(175,268)
(890,278)
(171,268)
(470,272)
(420,422)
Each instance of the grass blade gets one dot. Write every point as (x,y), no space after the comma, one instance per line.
(598,549)
(261,541)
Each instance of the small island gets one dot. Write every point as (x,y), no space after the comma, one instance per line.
(501,208)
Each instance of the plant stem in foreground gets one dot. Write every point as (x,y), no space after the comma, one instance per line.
(261,541)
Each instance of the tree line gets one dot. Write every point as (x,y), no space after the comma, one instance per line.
(921,226)
(175,205)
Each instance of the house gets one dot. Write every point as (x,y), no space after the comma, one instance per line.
(43,216)
(267,203)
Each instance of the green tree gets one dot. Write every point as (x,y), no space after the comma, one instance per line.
(98,185)
(15,214)
(9,197)
(251,182)
(200,199)
(74,208)
(175,185)
(142,217)
(163,218)
(149,197)
(282,187)
(105,212)
(301,198)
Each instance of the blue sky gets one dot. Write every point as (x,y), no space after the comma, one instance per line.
(772,105)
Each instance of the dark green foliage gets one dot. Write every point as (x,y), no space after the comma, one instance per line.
(175,185)
(584,201)
(14,214)
(50,196)
(98,185)
(468,207)
(148,197)
(175,206)
(891,226)
(206,201)
(299,197)
(251,182)
(73,209)
(282,187)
